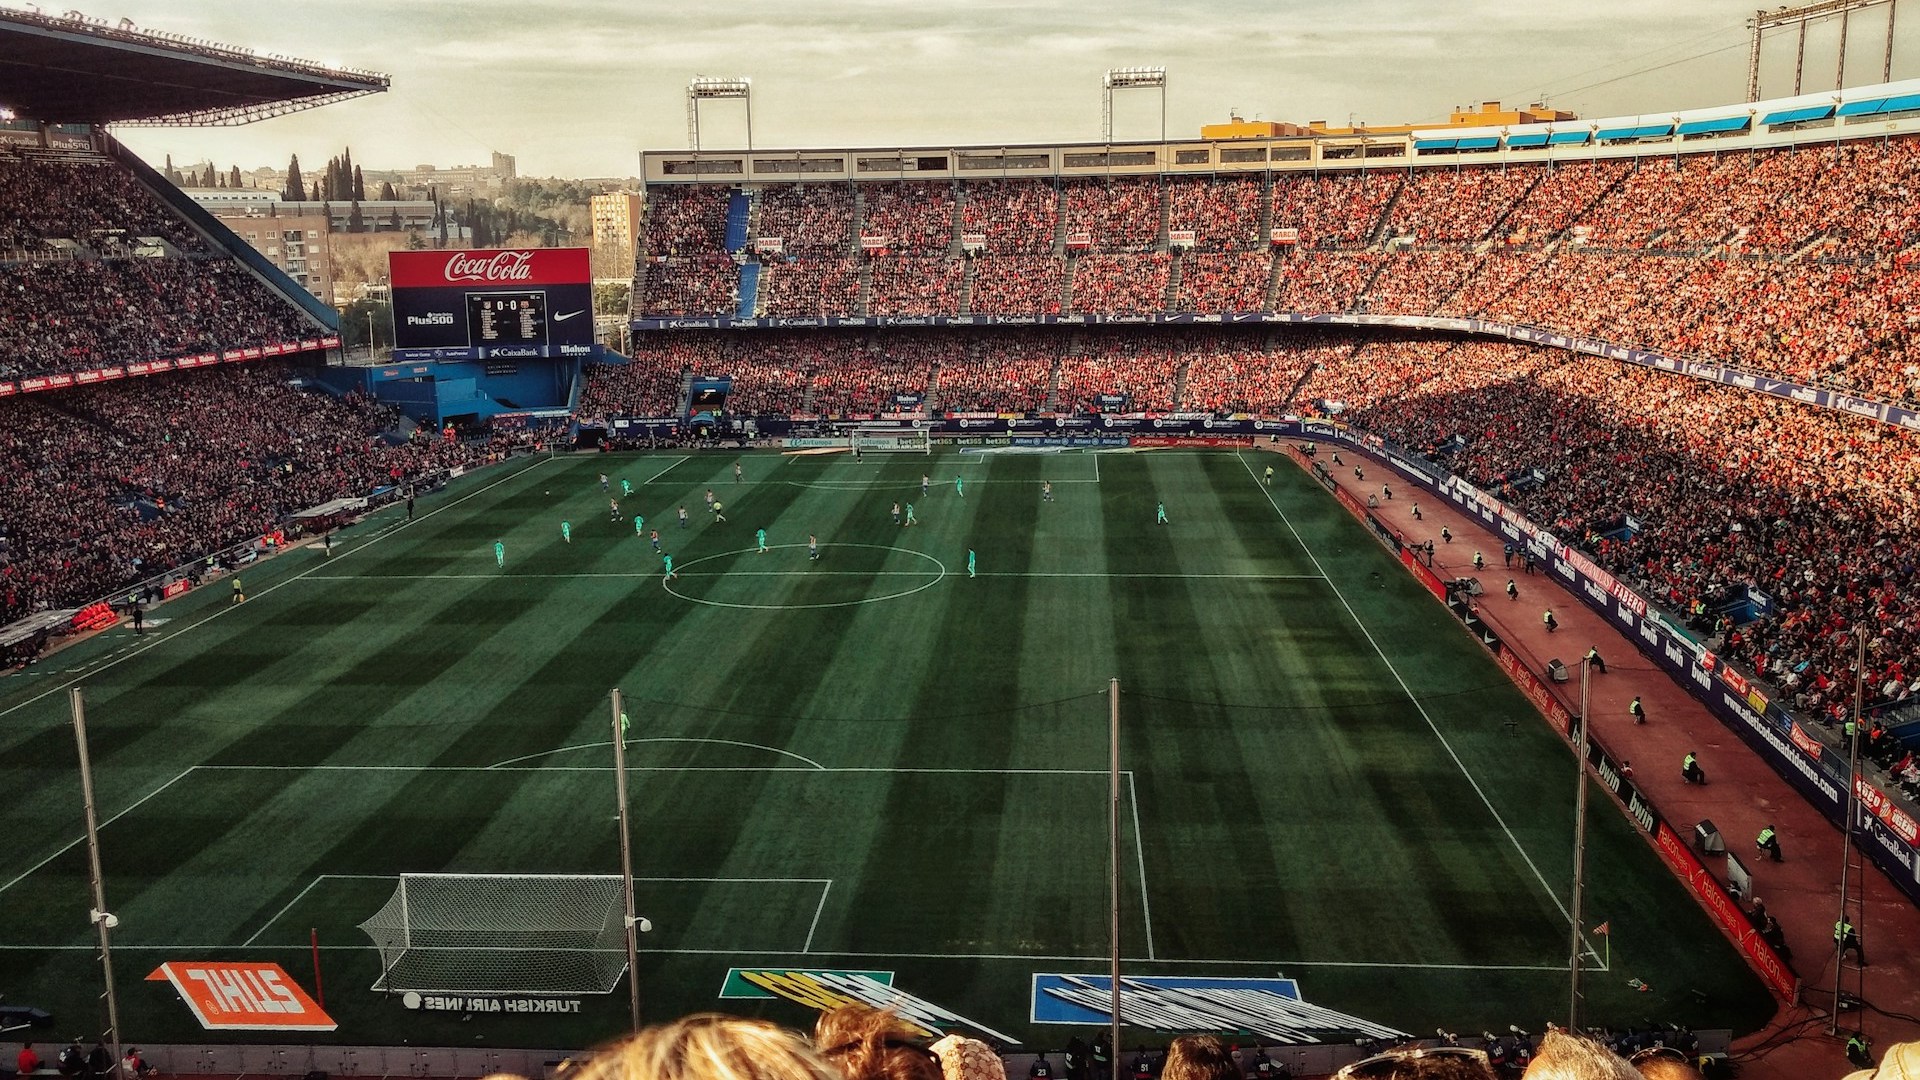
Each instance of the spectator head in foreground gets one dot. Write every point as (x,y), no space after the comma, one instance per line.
(1436,1063)
(1571,1057)
(873,1044)
(709,1046)
(1664,1063)
(962,1058)
(1199,1057)
(1900,1062)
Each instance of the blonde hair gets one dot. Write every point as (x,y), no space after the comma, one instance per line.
(1199,1057)
(874,1044)
(1573,1057)
(710,1046)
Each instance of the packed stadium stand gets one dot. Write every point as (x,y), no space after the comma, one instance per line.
(1793,261)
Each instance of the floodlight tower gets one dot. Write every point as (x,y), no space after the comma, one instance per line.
(1763,21)
(1131,78)
(708,88)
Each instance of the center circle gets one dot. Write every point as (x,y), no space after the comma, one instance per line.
(934,577)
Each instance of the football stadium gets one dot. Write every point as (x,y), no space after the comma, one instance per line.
(1040,598)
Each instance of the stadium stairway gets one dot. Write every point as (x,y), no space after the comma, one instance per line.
(749,291)
(967,276)
(864,306)
(1170,300)
(739,207)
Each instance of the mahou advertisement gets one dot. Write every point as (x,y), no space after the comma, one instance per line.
(497,304)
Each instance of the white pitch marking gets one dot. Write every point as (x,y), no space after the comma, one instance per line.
(677,462)
(71,844)
(1140,861)
(661,739)
(807,946)
(1418,706)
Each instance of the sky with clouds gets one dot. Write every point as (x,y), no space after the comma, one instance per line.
(578,87)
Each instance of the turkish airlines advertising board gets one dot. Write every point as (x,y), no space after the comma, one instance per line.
(491,305)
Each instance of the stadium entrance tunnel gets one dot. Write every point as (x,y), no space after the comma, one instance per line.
(786,578)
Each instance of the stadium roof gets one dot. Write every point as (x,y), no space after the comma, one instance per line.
(74,70)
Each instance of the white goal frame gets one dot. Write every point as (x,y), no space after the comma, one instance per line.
(530,934)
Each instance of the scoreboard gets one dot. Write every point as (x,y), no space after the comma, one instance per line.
(491,305)
(507,318)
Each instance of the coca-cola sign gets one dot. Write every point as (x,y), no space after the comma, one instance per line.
(509,268)
(502,266)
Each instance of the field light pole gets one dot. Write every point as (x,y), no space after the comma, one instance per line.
(1579,849)
(102,919)
(626,862)
(1852,815)
(1113,865)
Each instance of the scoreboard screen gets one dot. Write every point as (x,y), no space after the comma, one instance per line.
(497,318)
(494,304)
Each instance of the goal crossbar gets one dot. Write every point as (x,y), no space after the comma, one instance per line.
(501,933)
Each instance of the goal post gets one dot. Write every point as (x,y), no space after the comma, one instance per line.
(892,440)
(501,934)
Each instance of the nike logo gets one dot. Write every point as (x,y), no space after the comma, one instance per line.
(568,315)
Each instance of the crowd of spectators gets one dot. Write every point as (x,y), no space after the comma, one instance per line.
(1017,285)
(809,286)
(707,284)
(1235,281)
(1120,214)
(90,202)
(809,219)
(1729,491)
(1222,212)
(912,217)
(1459,205)
(1005,369)
(96,271)
(1016,216)
(105,486)
(1797,262)
(915,285)
(1120,284)
(83,315)
(1334,209)
(686,219)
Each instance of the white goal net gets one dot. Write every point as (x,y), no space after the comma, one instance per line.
(501,933)
(892,440)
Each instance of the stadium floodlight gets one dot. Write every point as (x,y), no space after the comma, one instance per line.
(1131,78)
(1763,21)
(716,88)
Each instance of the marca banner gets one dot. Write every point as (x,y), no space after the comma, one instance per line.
(233,996)
(1270,1009)
(1875,803)
(491,304)
(827,988)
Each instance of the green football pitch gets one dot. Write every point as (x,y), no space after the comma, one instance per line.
(874,761)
